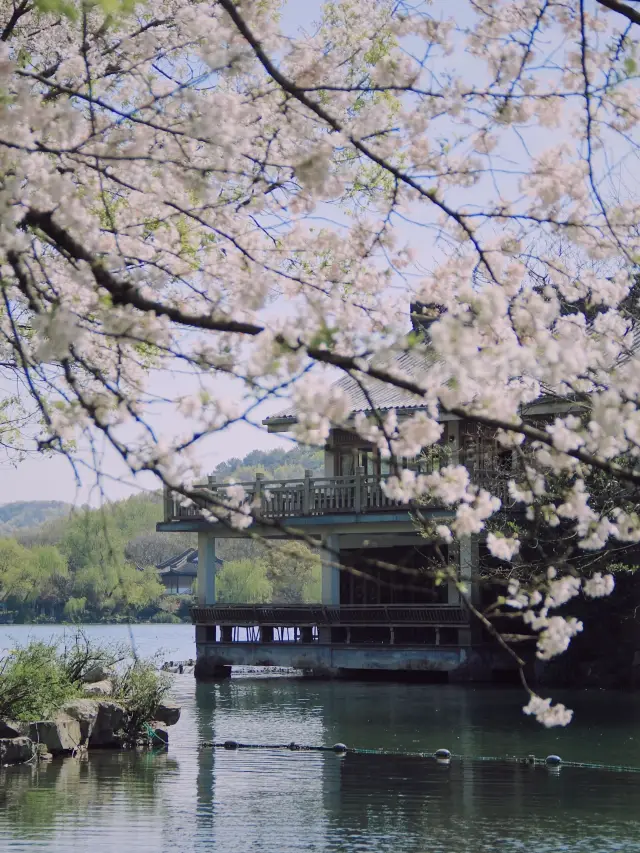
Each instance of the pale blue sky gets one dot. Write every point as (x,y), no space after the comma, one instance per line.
(52,478)
(40,478)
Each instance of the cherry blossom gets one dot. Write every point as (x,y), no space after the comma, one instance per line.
(194,189)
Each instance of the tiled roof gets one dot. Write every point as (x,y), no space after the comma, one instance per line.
(383,396)
(185,563)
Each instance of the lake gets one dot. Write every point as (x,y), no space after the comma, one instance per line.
(188,799)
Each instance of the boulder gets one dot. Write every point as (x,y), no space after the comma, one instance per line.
(109,724)
(97,673)
(42,752)
(13,728)
(85,711)
(60,735)
(167,713)
(16,750)
(99,688)
(158,735)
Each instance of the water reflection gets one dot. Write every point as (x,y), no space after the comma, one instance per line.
(276,800)
(76,797)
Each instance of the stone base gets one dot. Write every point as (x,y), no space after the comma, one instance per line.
(418,663)
(208,670)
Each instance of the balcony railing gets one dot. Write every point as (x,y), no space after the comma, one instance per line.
(298,615)
(364,625)
(310,496)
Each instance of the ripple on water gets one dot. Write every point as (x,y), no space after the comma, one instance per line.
(190,800)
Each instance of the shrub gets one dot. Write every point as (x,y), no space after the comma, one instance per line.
(34,682)
(37,679)
(164,618)
(79,655)
(140,687)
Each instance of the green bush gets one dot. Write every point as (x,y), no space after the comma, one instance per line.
(164,618)
(37,679)
(140,687)
(34,682)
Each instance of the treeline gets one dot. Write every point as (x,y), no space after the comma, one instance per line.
(78,569)
(99,564)
(277,464)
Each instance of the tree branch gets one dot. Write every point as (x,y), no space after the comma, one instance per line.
(622,9)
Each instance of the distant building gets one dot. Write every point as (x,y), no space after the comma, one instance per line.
(178,574)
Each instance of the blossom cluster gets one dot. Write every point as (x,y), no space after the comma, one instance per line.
(203,214)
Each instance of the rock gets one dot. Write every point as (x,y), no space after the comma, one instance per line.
(13,728)
(60,735)
(99,688)
(109,725)
(85,711)
(97,673)
(167,713)
(16,750)
(160,734)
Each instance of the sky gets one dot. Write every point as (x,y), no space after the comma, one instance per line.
(53,478)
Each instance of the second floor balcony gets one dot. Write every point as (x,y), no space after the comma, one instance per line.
(357,494)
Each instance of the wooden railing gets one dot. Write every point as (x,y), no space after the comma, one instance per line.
(337,625)
(357,493)
(298,615)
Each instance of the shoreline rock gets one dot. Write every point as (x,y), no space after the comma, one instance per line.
(99,688)
(167,713)
(17,750)
(80,724)
(60,735)
(10,729)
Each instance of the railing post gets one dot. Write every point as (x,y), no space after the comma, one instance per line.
(358,490)
(257,496)
(306,493)
(168,504)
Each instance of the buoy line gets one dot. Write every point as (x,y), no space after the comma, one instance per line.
(441,756)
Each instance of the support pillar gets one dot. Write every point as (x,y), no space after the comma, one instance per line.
(206,569)
(467,571)
(330,557)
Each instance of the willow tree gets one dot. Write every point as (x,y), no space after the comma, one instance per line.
(200,184)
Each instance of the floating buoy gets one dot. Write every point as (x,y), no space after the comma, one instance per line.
(339,747)
(553,760)
(442,754)
(230,744)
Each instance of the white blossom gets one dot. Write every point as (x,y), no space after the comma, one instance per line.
(502,547)
(598,585)
(546,713)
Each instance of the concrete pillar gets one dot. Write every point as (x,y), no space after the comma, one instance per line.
(330,556)
(466,561)
(206,569)
(329,462)
(462,555)
(468,571)
(453,442)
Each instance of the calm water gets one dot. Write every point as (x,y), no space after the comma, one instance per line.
(190,800)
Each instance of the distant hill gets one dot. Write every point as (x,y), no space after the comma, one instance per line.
(276,464)
(25,514)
